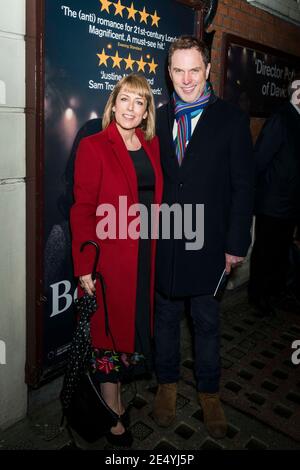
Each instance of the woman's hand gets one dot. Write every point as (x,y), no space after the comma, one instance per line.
(87,284)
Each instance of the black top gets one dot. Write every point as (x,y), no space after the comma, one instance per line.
(146,180)
(143,168)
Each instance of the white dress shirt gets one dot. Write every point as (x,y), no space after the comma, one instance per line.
(194,124)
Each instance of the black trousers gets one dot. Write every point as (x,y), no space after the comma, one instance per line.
(270,257)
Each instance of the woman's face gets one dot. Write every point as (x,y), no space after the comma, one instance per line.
(129,109)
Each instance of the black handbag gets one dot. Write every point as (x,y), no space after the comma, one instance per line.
(88,413)
(83,405)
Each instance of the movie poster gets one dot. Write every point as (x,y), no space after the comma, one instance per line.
(89,46)
(256,77)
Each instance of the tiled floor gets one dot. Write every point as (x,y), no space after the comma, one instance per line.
(260,393)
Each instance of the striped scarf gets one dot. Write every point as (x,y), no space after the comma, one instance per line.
(184,112)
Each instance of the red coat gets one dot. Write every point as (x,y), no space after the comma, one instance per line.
(103,172)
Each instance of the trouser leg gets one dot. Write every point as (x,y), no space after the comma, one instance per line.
(262,259)
(284,238)
(205,311)
(167,338)
(269,258)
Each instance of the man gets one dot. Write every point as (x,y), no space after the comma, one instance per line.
(277,202)
(206,155)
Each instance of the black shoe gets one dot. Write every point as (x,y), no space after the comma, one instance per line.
(120,440)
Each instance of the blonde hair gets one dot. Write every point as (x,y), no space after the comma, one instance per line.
(138,84)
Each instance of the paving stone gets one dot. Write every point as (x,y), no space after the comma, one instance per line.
(141,431)
(260,393)
(233,386)
(245,374)
(236,353)
(232,431)
(184,431)
(165,446)
(209,444)
(270,386)
(255,444)
(138,402)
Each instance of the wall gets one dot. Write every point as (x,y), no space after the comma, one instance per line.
(287,9)
(242,19)
(13,391)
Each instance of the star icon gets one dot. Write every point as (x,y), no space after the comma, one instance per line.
(141,64)
(155,19)
(129,62)
(105,4)
(103,57)
(116,60)
(152,66)
(144,15)
(131,12)
(119,8)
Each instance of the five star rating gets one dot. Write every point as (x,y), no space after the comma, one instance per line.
(128,62)
(136,15)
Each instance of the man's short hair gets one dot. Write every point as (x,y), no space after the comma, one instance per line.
(190,42)
(290,89)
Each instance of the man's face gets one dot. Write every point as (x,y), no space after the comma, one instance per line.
(188,74)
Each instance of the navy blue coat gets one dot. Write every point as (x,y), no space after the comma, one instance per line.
(277,157)
(217,171)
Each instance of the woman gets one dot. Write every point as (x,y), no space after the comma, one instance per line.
(115,169)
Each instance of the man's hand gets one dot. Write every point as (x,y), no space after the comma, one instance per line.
(87,284)
(232,261)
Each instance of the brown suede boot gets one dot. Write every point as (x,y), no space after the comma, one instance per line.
(213,414)
(164,408)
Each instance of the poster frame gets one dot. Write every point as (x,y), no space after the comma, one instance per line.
(35,165)
(229,39)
